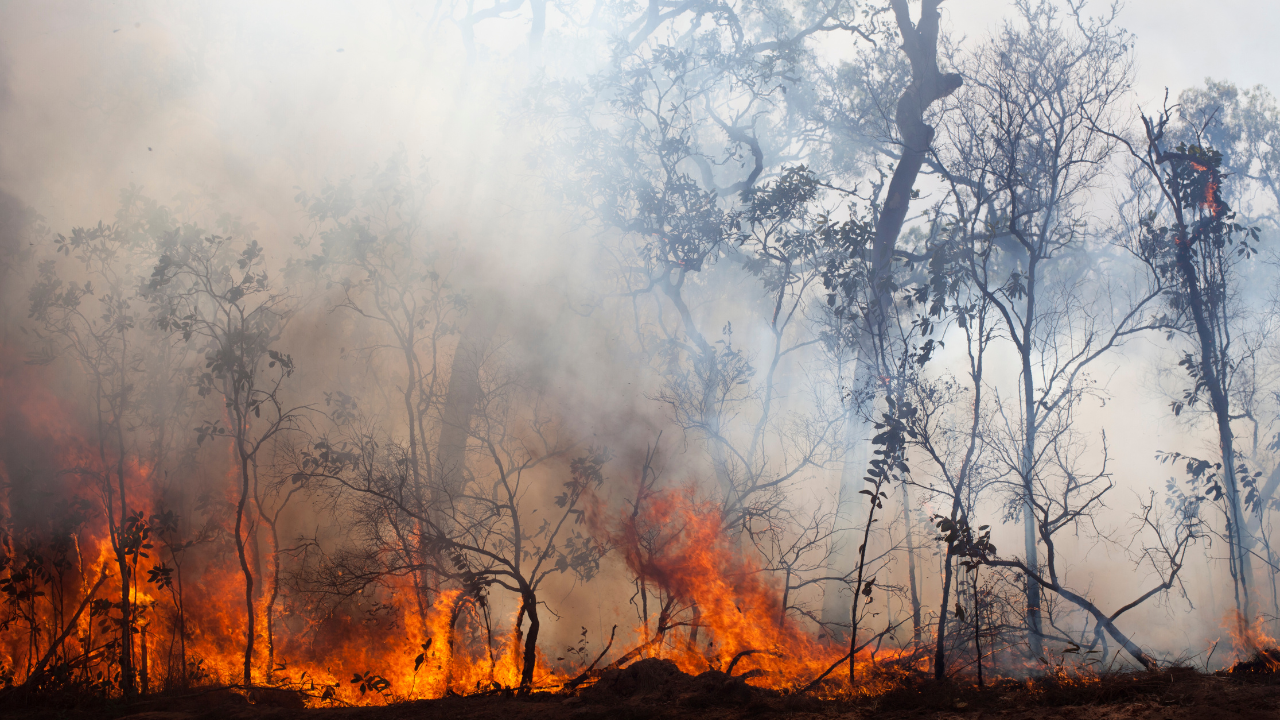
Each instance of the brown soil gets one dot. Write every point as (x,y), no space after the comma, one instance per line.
(656,689)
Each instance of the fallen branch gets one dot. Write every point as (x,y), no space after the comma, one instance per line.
(745,653)
(863,646)
(1104,621)
(633,652)
(38,671)
(825,673)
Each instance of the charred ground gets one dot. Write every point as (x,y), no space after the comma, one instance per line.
(655,688)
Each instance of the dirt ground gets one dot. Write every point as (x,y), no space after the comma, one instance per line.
(649,689)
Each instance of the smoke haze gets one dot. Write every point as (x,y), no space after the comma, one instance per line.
(239,117)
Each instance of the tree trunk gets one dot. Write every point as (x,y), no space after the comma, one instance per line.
(917,627)
(1103,621)
(857,590)
(1031,550)
(530,645)
(272,596)
(127,685)
(1026,468)
(928,85)
(977,627)
(843,555)
(1209,362)
(182,626)
(463,394)
(1130,646)
(455,613)
(420,488)
(940,644)
(786,595)
(695,626)
(144,680)
(127,671)
(241,542)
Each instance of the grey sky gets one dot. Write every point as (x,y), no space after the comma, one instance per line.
(258,97)
(1180,42)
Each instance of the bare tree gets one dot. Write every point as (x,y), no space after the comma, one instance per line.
(478,533)
(1162,541)
(98,328)
(1027,143)
(868,308)
(1197,250)
(376,251)
(202,289)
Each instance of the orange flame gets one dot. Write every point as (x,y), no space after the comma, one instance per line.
(1210,202)
(1249,639)
(731,608)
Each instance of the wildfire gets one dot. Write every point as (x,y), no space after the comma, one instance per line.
(333,659)
(713,606)
(1211,201)
(721,612)
(1250,641)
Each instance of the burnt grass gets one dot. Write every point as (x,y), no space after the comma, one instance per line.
(657,689)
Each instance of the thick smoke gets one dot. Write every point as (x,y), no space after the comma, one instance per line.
(314,132)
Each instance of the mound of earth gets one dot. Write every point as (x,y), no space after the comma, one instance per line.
(656,680)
